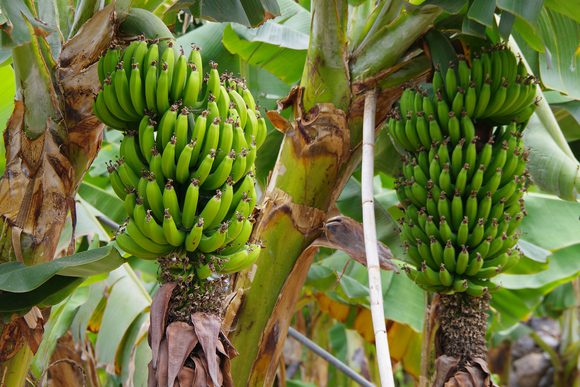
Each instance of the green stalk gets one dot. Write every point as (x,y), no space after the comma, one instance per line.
(317,156)
(552,354)
(300,193)
(326,77)
(14,371)
(385,44)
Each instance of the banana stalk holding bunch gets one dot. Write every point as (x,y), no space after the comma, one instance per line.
(464,172)
(187,156)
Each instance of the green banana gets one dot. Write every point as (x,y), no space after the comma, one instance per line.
(214,241)
(179,78)
(198,135)
(181,131)
(190,204)
(143,241)
(212,137)
(194,236)
(182,168)
(171,202)
(168,165)
(127,244)
(217,178)
(131,152)
(240,260)
(192,87)
(151,87)
(123,93)
(163,88)
(155,198)
(204,168)
(174,236)
(211,209)
(240,240)
(136,91)
(166,128)
(105,116)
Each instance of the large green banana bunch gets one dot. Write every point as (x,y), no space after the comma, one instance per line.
(464,172)
(187,156)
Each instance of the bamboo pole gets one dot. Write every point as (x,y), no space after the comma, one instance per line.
(370,235)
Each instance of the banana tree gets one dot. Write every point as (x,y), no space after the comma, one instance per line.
(354,47)
(342,62)
(51,139)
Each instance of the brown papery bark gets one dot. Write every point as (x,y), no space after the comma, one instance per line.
(44,168)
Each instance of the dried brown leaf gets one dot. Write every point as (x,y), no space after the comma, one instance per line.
(279,122)
(200,373)
(158,315)
(161,371)
(207,327)
(230,352)
(90,42)
(226,372)
(346,234)
(445,367)
(181,340)
(185,377)
(474,373)
(461,379)
(151,376)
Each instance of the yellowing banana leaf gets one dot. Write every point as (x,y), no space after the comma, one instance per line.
(85,313)
(404,341)
(17,11)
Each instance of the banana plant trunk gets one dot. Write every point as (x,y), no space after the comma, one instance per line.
(320,150)
(51,140)
(306,179)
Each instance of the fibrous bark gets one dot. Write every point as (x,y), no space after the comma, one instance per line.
(460,344)
(45,166)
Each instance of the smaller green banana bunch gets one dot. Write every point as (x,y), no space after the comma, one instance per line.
(187,157)
(496,89)
(463,178)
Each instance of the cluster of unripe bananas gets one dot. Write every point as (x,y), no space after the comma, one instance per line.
(187,156)
(464,172)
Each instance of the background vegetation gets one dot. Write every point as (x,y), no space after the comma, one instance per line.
(101,324)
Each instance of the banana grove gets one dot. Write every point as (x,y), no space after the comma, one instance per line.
(182,185)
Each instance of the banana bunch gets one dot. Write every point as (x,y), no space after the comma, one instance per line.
(464,173)
(186,162)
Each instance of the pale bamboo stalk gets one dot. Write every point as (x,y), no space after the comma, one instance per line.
(370,235)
